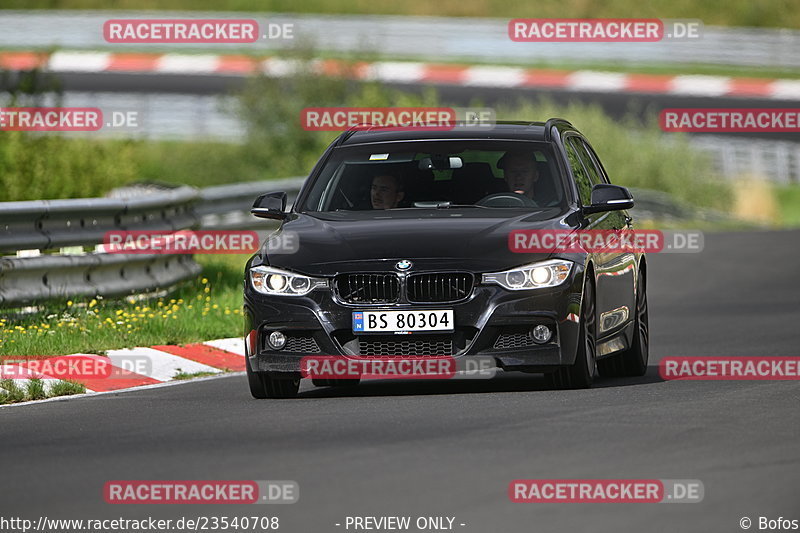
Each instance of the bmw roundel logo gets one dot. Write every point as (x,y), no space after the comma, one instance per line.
(405,264)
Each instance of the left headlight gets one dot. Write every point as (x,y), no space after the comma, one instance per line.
(273,281)
(549,273)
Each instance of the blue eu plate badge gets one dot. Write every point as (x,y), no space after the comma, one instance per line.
(358,321)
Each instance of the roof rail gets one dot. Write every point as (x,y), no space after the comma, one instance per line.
(552,122)
(344,136)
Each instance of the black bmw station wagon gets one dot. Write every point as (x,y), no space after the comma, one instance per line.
(403,250)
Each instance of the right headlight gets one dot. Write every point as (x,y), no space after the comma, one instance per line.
(550,273)
(269,280)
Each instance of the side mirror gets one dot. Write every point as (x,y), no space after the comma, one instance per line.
(607,197)
(271,205)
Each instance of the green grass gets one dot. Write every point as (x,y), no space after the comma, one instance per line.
(200,164)
(49,167)
(34,389)
(771,13)
(66,388)
(208,307)
(788,197)
(183,376)
(10,392)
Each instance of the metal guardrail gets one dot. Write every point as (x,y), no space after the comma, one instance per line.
(484,39)
(228,206)
(738,158)
(29,228)
(47,224)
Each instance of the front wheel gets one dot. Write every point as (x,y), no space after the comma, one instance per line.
(580,374)
(254,381)
(264,385)
(280,387)
(633,361)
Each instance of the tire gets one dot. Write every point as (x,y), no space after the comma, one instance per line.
(254,380)
(262,385)
(580,374)
(633,361)
(280,387)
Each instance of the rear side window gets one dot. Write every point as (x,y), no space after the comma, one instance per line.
(596,161)
(594,174)
(579,172)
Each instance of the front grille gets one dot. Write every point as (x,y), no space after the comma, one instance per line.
(368,288)
(439,287)
(429,345)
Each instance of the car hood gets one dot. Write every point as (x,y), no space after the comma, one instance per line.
(475,240)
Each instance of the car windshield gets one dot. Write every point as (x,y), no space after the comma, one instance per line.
(436,175)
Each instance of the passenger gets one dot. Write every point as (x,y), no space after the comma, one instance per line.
(387,191)
(520,172)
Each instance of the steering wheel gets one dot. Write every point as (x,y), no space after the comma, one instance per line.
(506,199)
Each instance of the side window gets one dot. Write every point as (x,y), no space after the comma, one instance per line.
(596,162)
(594,174)
(578,171)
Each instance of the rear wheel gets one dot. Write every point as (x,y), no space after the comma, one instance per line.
(580,374)
(633,361)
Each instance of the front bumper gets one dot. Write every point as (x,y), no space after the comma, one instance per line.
(492,322)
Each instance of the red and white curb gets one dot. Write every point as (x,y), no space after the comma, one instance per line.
(408,72)
(157,364)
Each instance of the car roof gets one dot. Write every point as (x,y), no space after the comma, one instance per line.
(501,130)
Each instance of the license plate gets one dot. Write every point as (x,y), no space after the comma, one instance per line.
(402,321)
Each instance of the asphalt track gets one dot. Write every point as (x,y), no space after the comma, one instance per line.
(451,448)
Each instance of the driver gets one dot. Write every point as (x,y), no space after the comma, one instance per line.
(387,191)
(520,172)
